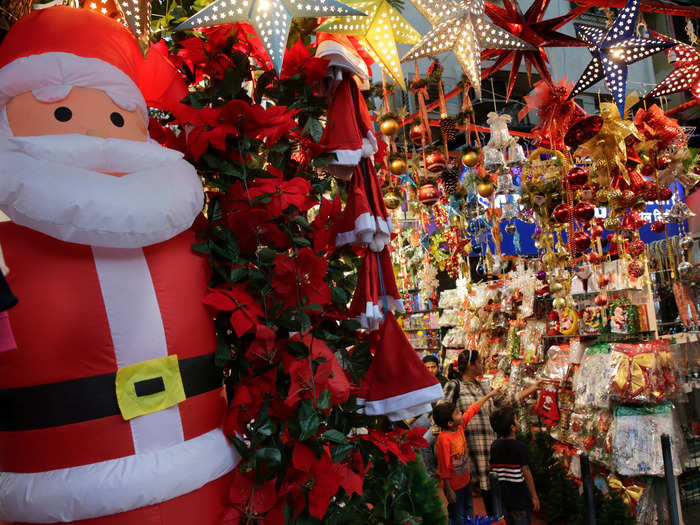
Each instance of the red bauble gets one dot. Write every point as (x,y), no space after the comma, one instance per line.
(635,269)
(596,231)
(665,194)
(603,280)
(651,194)
(600,300)
(658,226)
(584,211)
(594,258)
(577,177)
(416,134)
(428,194)
(562,213)
(637,247)
(581,241)
(648,170)
(435,162)
(663,162)
(583,130)
(628,196)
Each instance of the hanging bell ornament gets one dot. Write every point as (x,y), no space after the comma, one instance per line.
(389,127)
(584,211)
(428,194)
(577,177)
(516,155)
(685,268)
(470,159)
(493,158)
(635,269)
(686,242)
(679,212)
(397,166)
(509,211)
(511,228)
(601,196)
(485,189)
(556,287)
(435,163)
(658,226)
(392,199)
(416,134)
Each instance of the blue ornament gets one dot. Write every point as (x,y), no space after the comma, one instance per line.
(406,178)
(613,50)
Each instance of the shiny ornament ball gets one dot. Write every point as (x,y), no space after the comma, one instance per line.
(648,170)
(601,196)
(389,127)
(485,189)
(600,300)
(658,226)
(581,241)
(562,213)
(644,158)
(470,159)
(651,194)
(637,247)
(614,195)
(635,269)
(594,258)
(397,166)
(640,206)
(665,194)
(584,211)
(435,162)
(685,268)
(596,231)
(416,134)
(577,177)
(663,162)
(559,303)
(686,242)
(603,280)
(511,228)
(556,287)
(428,194)
(392,199)
(541,275)
(611,224)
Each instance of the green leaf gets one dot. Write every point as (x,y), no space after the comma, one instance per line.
(301,242)
(266,255)
(202,248)
(269,456)
(308,420)
(266,428)
(314,128)
(334,436)
(324,401)
(339,296)
(238,274)
(262,83)
(341,451)
(298,349)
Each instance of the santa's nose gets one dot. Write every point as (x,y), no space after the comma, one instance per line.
(93,133)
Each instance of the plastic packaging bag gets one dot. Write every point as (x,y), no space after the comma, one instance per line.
(591,382)
(558,363)
(642,372)
(590,430)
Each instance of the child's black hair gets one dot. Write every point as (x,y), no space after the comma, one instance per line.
(502,420)
(442,415)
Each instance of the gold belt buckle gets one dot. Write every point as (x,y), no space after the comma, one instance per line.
(149,386)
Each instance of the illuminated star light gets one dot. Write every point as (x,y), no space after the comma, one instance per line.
(464,30)
(271,19)
(613,50)
(529,27)
(686,71)
(138,18)
(378,32)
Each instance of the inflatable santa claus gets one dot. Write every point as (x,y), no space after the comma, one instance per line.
(110,405)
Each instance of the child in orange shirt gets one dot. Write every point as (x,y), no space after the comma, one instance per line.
(452,457)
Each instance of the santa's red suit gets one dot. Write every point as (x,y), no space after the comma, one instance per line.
(111,404)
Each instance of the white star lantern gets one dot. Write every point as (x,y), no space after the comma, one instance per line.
(378,32)
(463,29)
(138,17)
(271,19)
(613,50)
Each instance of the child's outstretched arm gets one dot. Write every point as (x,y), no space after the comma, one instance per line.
(475,407)
(530,482)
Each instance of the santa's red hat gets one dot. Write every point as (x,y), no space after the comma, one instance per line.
(345,53)
(397,383)
(51,50)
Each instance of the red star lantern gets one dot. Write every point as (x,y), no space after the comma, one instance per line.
(686,71)
(530,28)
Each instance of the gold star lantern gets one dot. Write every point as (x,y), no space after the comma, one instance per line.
(271,19)
(378,32)
(138,18)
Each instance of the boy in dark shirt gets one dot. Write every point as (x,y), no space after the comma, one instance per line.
(510,462)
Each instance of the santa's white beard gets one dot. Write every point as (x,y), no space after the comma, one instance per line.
(53,184)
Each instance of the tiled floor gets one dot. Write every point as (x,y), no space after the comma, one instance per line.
(479,511)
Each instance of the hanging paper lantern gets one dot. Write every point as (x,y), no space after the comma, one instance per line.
(562,213)
(577,177)
(581,241)
(428,194)
(416,134)
(397,166)
(584,211)
(635,269)
(485,189)
(435,162)
(392,199)
(389,127)
(470,159)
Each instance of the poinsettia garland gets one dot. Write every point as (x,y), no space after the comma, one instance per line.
(278,293)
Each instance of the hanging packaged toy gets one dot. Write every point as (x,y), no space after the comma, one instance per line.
(590,321)
(589,430)
(624,317)
(558,363)
(642,372)
(547,407)
(591,382)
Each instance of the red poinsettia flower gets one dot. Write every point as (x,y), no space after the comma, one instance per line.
(263,505)
(298,61)
(283,193)
(208,129)
(245,310)
(253,228)
(247,42)
(165,136)
(324,225)
(301,278)
(326,477)
(268,124)
(307,384)
(264,347)
(247,399)
(400,443)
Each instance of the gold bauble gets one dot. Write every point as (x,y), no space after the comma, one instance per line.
(389,127)
(470,159)
(397,166)
(392,199)
(611,224)
(645,158)
(549,259)
(640,206)
(559,303)
(556,287)
(614,195)
(485,189)
(601,196)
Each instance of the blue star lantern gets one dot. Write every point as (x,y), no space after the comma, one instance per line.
(613,50)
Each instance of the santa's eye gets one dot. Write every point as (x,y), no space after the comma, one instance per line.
(63,114)
(117,119)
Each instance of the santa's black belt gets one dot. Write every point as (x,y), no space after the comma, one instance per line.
(88,398)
